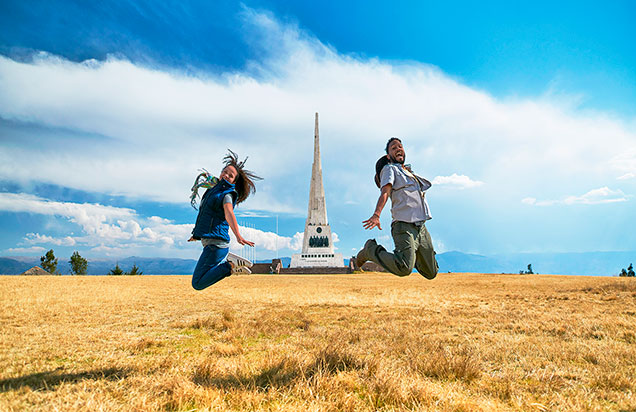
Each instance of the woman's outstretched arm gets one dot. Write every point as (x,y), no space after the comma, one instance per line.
(228,209)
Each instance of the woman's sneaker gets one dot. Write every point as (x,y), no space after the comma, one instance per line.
(238,262)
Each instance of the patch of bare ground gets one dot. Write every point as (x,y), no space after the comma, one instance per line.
(364,342)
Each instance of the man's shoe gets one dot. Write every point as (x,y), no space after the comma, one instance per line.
(238,262)
(363,255)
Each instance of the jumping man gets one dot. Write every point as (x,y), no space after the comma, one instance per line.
(409,209)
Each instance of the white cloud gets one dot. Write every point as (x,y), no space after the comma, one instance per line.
(143,132)
(598,196)
(120,128)
(627,176)
(297,240)
(455,180)
(266,240)
(25,250)
(34,238)
(113,230)
(593,197)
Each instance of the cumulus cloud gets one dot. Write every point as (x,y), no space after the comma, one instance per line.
(593,197)
(115,230)
(597,196)
(122,128)
(34,238)
(25,250)
(458,181)
(100,224)
(265,240)
(143,132)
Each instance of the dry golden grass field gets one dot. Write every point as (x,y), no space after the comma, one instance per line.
(363,342)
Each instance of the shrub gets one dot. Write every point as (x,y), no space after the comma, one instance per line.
(116,271)
(49,262)
(79,265)
(134,271)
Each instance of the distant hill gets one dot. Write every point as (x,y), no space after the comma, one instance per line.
(590,263)
(149,266)
(593,263)
(10,266)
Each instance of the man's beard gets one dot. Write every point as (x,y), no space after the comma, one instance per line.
(394,160)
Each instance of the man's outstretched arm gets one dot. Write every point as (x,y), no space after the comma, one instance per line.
(374,220)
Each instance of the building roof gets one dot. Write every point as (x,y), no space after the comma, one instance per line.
(35,270)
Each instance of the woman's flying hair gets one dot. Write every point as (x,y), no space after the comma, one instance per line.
(244,182)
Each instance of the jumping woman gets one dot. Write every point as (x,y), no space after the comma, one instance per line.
(216,216)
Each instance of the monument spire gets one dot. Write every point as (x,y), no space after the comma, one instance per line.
(318,250)
(317,213)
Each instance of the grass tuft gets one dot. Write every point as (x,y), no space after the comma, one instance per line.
(449,362)
(272,373)
(333,359)
(143,344)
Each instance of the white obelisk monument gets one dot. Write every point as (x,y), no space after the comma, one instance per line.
(317,245)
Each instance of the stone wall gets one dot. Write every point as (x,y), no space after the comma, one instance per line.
(372,267)
(276,268)
(262,268)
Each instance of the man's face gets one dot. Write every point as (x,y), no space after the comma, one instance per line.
(396,152)
(229,173)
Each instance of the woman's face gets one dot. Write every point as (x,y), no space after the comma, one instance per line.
(229,173)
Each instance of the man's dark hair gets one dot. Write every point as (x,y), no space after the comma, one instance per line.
(244,182)
(389,143)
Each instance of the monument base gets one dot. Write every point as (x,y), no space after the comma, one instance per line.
(312,261)
(316,271)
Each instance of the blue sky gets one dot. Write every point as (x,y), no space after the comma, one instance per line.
(523,116)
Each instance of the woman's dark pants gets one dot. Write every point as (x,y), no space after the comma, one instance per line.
(211,267)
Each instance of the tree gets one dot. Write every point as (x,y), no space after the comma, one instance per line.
(629,272)
(79,265)
(49,262)
(527,272)
(116,271)
(134,271)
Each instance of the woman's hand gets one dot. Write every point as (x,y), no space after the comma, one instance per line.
(242,241)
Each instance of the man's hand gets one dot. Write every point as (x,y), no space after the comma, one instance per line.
(192,239)
(372,222)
